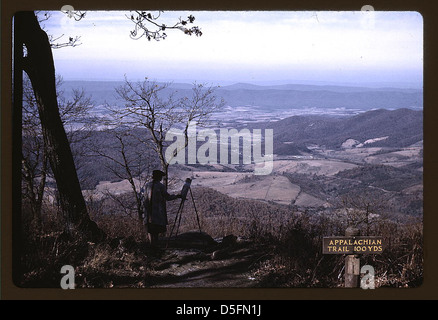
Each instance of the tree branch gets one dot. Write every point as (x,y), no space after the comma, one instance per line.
(143,19)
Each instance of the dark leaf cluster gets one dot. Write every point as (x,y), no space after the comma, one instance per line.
(147,25)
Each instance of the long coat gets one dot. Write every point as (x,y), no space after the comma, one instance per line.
(155,199)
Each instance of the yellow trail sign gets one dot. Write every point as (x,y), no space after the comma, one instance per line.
(352,245)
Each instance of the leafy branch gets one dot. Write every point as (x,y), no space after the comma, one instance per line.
(147,25)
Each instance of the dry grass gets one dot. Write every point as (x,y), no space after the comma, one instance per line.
(295,238)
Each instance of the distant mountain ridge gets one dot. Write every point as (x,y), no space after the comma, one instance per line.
(400,127)
(315,87)
(276,96)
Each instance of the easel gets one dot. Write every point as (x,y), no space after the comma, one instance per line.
(185,190)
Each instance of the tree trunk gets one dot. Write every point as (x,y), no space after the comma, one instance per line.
(131,179)
(39,66)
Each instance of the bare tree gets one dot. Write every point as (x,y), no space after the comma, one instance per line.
(35,168)
(153,106)
(130,160)
(60,41)
(33,55)
(363,210)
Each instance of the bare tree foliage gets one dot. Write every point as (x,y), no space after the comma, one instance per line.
(153,106)
(139,130)
(363,210)
(57,42)
(130,160)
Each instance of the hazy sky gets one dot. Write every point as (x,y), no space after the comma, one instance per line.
(343,47)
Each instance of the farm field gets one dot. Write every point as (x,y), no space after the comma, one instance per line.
(241,183)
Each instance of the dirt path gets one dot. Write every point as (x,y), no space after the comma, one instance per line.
(220,266)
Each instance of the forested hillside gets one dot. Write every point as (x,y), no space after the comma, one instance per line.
(399,128)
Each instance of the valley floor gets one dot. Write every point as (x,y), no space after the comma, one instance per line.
(276,187)
(240,182)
